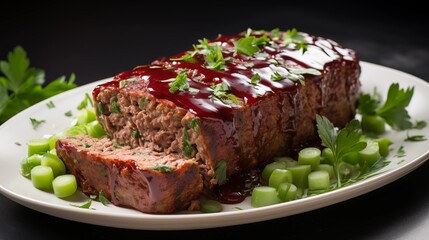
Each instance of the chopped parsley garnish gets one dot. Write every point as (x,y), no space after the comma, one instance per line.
(115,107)
(36,123)
(142,103)
(162,168)
(68,113)
(187,57)
(415,138)
(220,91)
(214,58)
(212,53)
(250,44)
(135,134)
(401,152)
(100,108)
(293,36)
(87,145)
(420,125)
(50,104)
(276,76)
(255,79)
(180,83)
(102,198)
(84,104)
(188,149)
(294,75)
(220,172)
(86,205)
(194,123)
(275,34)
(124,82)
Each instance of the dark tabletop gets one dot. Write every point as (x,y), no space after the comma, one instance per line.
(99,41)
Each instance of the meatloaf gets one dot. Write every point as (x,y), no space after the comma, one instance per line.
(231,103)
(152,182)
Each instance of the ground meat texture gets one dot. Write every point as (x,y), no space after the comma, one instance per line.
(149,181)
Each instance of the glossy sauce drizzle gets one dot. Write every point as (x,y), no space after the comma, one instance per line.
(273,57)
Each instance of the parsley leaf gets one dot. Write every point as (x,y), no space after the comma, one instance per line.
(293,36)
(214,58)
(36,122)
(50,104)
(415,138)
(187,57)
(180,83)
(250,44)
(276,76)
(84,104)
(420,125)
(220,172)
(393,110)
(296,77)
(102,198)
(68,113)
(86,205)
(220,92)
(21,86)
(275,34)
(401,152)
(255,79)
(340,142)
(187,148)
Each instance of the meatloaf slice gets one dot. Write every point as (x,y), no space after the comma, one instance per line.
(140,178)
(229,108)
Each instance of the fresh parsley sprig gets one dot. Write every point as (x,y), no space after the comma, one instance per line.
(255,79)
(220,91)
(214,58)
(211,52)
(180,83)
(250,45)
(292,36)
(393,110)
(340,142)
(21,86)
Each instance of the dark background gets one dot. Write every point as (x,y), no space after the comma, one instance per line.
(100,39)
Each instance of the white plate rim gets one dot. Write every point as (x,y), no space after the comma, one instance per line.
(131,220)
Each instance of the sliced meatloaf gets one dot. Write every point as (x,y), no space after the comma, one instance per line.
(234,108)
(152,182)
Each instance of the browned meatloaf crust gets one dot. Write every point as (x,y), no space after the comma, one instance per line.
(268,106)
